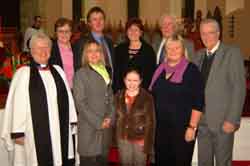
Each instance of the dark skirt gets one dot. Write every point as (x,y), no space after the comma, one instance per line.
(171,147)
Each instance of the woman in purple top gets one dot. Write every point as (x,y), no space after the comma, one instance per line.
(178,92)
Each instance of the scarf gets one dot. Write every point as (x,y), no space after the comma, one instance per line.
(100,69)
(177,72)
(40,117)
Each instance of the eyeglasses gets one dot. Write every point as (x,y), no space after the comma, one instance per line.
(64,31)
(208,33)
(40,48)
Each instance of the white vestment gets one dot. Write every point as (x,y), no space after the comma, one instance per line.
(17,118)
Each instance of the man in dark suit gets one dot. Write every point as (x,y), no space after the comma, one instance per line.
(169,26)
(222,69)
(96,23)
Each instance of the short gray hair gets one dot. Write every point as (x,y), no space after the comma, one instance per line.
(211,21)
(173,17)
(177,22)
(39,36)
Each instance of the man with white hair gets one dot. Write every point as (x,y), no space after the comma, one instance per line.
(223,73)
(169,26)
(40,116)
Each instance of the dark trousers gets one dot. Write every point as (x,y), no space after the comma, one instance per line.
(93,161)
(70,162)
(171,147)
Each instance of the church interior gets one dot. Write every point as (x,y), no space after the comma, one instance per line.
(232,15)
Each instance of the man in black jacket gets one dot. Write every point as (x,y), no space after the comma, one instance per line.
(96,23)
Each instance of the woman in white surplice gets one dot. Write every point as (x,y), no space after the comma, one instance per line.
(40,116)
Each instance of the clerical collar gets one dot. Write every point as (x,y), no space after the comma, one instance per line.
(43,66)
(212,51)
(39,66)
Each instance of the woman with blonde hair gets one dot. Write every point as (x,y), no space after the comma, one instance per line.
(178,91)
(94,102)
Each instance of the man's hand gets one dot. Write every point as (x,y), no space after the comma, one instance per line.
(106,123)
(229,127)
(190,134)
(19,141)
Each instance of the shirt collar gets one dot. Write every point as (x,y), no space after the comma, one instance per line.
(96,36)
(212,51)
(163,41)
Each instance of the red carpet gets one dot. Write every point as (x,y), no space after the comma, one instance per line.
(241,163)
(114,158)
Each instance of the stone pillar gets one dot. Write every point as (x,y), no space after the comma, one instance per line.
(200,5)
(176,7)
(67,9)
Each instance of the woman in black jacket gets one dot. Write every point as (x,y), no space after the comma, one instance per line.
(134,52)
(62,53)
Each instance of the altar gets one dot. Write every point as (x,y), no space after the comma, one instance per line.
(241,144)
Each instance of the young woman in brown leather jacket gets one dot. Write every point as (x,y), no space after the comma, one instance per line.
(135,121)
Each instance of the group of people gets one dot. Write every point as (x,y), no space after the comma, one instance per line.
(65,107)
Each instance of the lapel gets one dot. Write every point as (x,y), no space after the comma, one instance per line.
(159,50)
(99,75)
(122,102)
(108,43)
(57,55)
(216,64)
(90,36)
(136,104)
(75,58)
(159,44)
(110,47)
(199,58)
